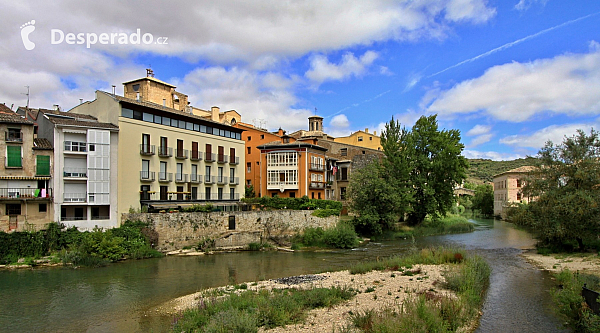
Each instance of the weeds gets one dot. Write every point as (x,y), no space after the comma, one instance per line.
(571,304)
(427,256)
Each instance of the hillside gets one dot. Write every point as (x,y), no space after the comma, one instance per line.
(481,170)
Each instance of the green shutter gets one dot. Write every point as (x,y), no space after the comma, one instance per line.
(43,165)
(14,156)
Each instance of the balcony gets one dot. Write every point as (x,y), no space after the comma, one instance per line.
(75,197)
(165,176)
(317,167)
(181,177)
(75,147)
(147,150)
(222,158)
(209,180)
(181,154)
(165,151)
(221,180)
(317,185)
(195,178)
(196,155)
(13,136)
(234,160)
(147,176)
(74,172)
(209,157)
(234,180)
(25,193)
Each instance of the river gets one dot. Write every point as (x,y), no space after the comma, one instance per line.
(118,298)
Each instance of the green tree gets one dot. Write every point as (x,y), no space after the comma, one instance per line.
(249,192)
(484,199)
(565,186)
(436,166)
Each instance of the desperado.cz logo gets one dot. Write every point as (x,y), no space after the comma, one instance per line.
(88,39)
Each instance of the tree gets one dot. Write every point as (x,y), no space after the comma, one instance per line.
(249,192)
(416,178)
(565,187)
(484,199)
(435,167)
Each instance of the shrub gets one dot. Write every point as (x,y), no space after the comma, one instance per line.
(326,212)
(571,304)
(342,236)
(199,208)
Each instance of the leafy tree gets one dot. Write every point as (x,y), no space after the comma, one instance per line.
(565,187)
(249,192)
(484,199)
(436,166)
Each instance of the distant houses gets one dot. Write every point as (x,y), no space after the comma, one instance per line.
(508,187)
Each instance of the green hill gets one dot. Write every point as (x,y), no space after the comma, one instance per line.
(481,170)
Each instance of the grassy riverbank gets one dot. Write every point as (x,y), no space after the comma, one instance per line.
(57,244)
(409,291)
(449,224)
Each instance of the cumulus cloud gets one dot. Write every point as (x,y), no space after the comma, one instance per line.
(554,133)
(479,130)
(566,84)
(267,96)
(340,121)
(525,4)
(490,155)
(468,10)
(322,70)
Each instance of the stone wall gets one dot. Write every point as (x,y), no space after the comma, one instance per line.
(177,230)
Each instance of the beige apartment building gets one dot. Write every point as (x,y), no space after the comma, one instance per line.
(362,139)
(169,157)
(25,175)
(508,189)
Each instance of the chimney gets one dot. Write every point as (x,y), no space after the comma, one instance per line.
(375,133)
(81,101)
(56,107)
(280,132)
(214,113)
(367,130)
(114,88)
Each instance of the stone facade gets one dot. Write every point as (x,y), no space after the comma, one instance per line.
(228,229)
(508,189)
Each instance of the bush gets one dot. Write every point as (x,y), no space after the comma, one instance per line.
(302,203)
(342,236)
(571,304)
(326,212)
(199,208)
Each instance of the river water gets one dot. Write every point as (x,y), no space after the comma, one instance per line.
(119,297)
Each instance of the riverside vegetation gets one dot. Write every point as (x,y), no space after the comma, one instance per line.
(132,240)
(242,310)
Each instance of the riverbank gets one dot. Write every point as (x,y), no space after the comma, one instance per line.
(555,263)
(445,287)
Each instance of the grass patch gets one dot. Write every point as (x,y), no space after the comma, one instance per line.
(249,310)
(430,312)
(426,256)
(450,224)
(342,236)
(570,304)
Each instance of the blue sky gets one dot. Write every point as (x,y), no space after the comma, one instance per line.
(508,74)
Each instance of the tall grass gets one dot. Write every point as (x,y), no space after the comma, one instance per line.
(450,224)
(249,310)
(570,303)
(426,256)
(430,312)
(342,236)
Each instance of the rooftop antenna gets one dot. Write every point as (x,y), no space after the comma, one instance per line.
(114,87)
(27,94)
(149,71)
(315,111)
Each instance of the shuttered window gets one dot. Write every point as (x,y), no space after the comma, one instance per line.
(13,154)
(43,165)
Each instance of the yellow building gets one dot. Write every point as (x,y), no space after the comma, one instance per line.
(508,189)
(169,157)
(362,139)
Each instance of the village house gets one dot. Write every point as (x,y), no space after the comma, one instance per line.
(508,189)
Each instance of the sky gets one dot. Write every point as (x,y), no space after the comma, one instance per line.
(509,74)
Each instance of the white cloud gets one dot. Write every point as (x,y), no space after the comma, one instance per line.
(490,155)
(479,130)
(525,4)
(566,84)
(554,133)
(322,70)
(340,121)
(481,139)
(476,11)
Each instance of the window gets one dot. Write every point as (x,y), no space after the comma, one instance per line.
(371,138)
(231,173)
(194,171)
(14,135)
(194,193)
(163,192)
(195,153)
(145,143)
(519,196)
(292,194)
(262,136)
(360,138)
(179,175)
(249,150)
(207,193)
(42,165)
(42,208)
(207,170)
(363,152)
(149,117)
(342,193)
(144,195)
(282,159)
(127,113)
(13,154)
(319,195)
(249,138)
(221,153)
(220,193)
(145,169)
(13,209)
(344,151)
(163,171)
(518,183)
(248,182)
(249,167)
(312,195)
(232,155)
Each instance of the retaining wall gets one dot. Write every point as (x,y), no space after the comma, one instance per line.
(178,230)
